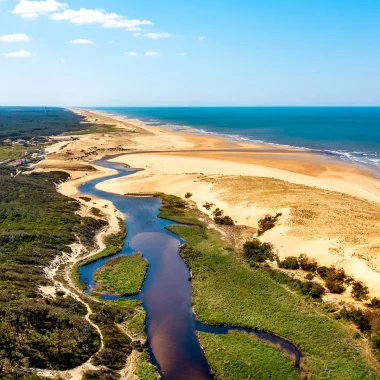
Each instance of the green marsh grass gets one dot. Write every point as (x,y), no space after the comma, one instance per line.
(259,361)
(226,291)
(122,275)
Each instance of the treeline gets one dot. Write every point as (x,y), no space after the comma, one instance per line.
(37,224)
(27,122)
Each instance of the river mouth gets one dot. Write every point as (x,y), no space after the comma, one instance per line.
(166,293)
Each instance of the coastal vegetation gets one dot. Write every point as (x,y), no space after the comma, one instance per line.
(145,370)
(226,291)
(28,122)
(122,275)
(245,357)
(267,223)
(117,345)
(113,244)
(36,225)
(95,129)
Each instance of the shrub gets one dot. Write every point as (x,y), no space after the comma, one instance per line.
(359,291)
(335,280)
(322,271)
(307,264)
(208,205)
(309,276)
(267,223)
(375,302)
(218,212)
(356,335)
(257,252)
(224,221)
(357,316)
(188,195)
(290,262)
(312,289)
(376,343)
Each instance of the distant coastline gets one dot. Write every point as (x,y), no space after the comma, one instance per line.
(363,154)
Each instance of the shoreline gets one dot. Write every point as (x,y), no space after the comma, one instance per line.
(336,155)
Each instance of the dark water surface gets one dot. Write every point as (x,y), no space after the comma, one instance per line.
(166,292)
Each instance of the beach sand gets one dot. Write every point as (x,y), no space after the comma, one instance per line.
(330,209)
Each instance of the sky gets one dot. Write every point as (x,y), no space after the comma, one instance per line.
(190,52)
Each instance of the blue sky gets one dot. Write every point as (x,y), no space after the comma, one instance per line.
(210,52)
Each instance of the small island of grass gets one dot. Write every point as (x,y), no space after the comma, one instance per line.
(122,275)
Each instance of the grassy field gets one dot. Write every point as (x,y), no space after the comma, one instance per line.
(227,291)
(96,129)
(16,151)
(260,360)
(122,275)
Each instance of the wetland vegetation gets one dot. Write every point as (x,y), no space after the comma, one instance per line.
(122,275)
(227,291)
(260,360)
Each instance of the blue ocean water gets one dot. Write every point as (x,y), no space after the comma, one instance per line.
(352,133)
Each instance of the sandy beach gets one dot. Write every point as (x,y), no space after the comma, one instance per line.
(330,209)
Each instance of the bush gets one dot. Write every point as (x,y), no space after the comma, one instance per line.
(309,276)
(312,289)
(290,262)
(267,223)
(307,264)
(376,343)
(218,212)
(359,291)
(188,195)
(257,252)
(375,302)
(224,221)
(357,316)
(335,280)
(208,205)
(322,271)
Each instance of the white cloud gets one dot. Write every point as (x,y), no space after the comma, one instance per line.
(131,53)
(81,41)
(32,9)
(19,54)
(202,38)
(14,38)
(85,16)
(183,54)
(151,53)
(154,36)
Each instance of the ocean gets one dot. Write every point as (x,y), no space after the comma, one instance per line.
(350,133)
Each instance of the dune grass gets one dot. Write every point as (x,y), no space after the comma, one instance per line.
(227,291)
(122,275)
(260,360)
(105,128)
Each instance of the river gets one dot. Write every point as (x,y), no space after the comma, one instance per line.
(171,326)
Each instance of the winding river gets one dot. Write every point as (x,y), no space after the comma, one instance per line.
(171,326)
